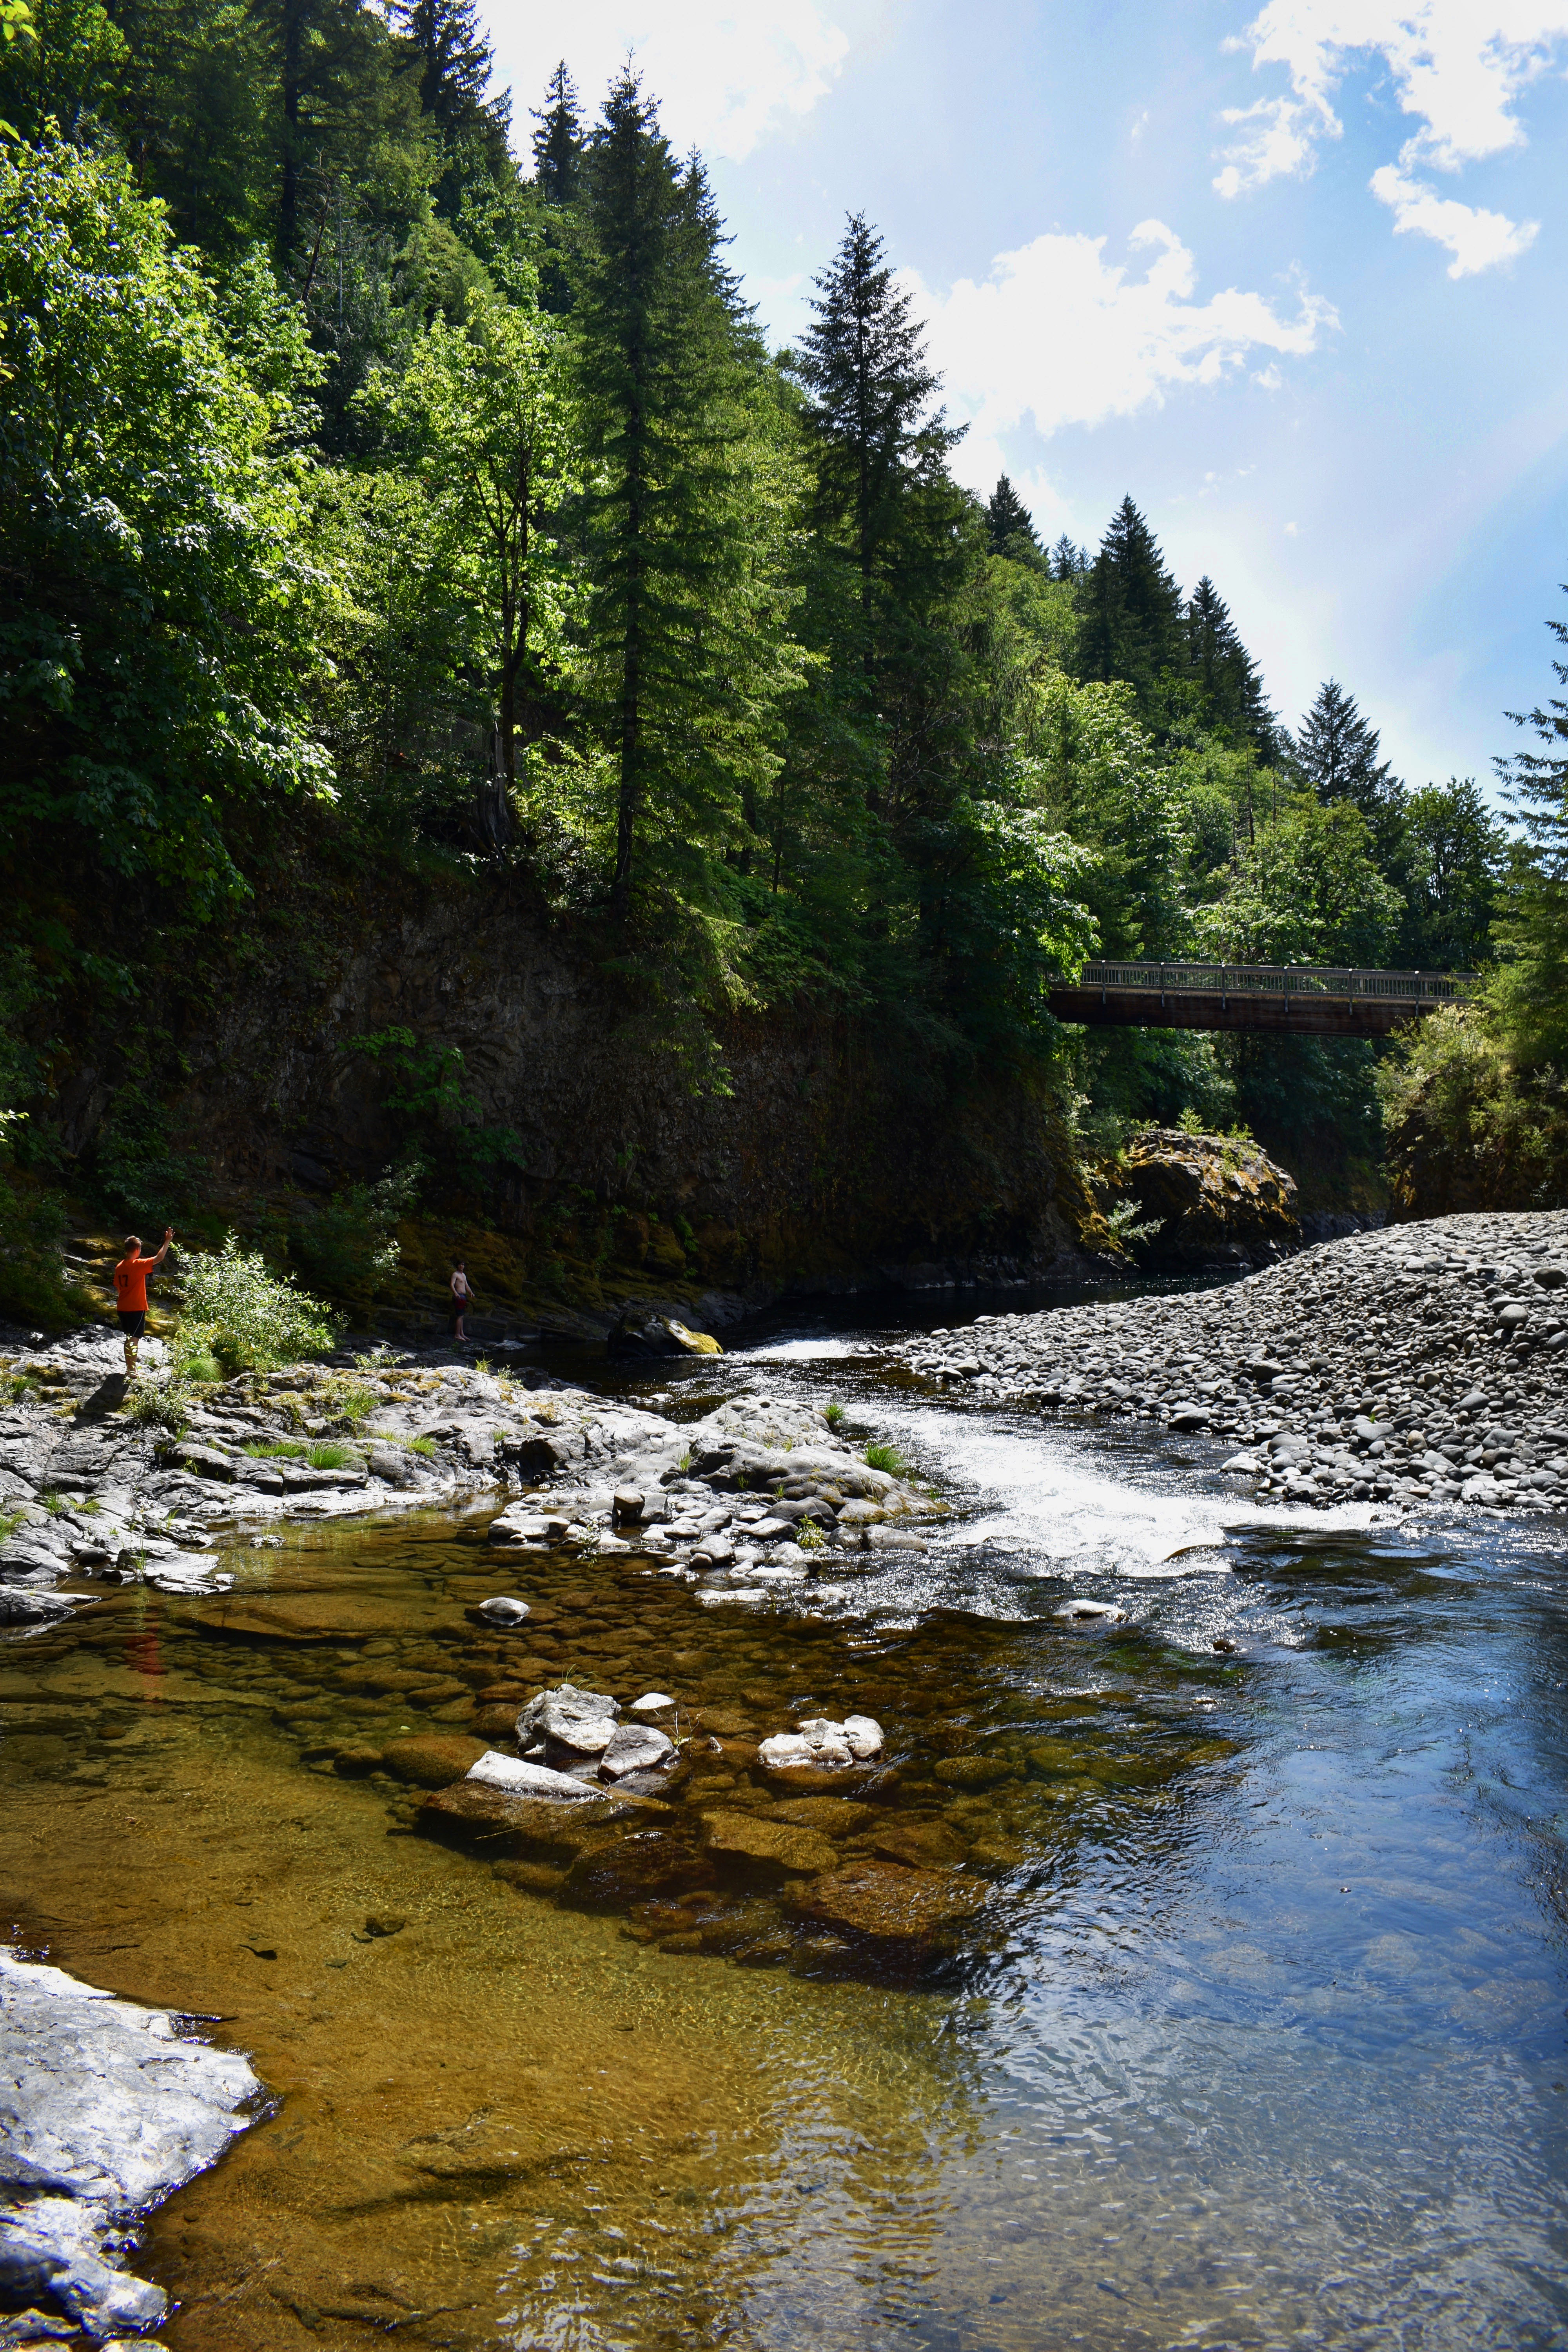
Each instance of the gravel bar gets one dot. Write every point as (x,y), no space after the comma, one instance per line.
(1421,1364)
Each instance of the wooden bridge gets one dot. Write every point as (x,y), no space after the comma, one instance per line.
(1304,999)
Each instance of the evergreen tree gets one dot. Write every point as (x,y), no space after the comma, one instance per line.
(1008,525)
(1132,627)
(558,144)
(869,392)
(1068,561)
(443,42)
(1336,750)
(1335,755)
(1229,692)
(685,616)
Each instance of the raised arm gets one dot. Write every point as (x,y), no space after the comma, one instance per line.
(168,1238)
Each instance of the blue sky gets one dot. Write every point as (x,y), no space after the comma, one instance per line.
(1293,275)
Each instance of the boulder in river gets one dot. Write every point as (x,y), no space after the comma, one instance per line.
(1221,1202)
(635,1748)
(580,1721)
(643,1333)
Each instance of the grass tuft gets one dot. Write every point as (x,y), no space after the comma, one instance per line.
(886,1458)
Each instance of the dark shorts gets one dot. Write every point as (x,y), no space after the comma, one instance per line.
(133,1321)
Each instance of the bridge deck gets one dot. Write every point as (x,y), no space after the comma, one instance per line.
(1304,1000)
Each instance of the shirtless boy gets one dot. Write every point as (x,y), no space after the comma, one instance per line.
(130,1292)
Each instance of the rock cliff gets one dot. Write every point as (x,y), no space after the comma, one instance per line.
(817,1153)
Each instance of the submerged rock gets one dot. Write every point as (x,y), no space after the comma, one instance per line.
(876,1901)
(431,1759)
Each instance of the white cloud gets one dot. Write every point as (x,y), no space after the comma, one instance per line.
(1478,240)
(1457,69)
(725,77)
(1057,335)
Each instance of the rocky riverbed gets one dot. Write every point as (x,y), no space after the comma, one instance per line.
(1417,1366)
(757,1495)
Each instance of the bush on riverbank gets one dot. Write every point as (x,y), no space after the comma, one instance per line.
(1469,1127)
(235,1310)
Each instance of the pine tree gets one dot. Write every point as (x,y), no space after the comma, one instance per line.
(869,392)
(1132,610)
(687,616)
(558,144)
(444,42)
(1230,697)
(1336,749)
(1009,526)
(1068,561)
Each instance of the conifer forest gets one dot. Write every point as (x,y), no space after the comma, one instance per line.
(394,483)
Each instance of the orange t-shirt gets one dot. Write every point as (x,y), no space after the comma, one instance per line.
(131,1284)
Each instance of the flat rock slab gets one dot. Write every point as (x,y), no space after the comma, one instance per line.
(776,1849)
(105,2110)
(432,1760)
(472,1812)
(876,1901)
(308,1616)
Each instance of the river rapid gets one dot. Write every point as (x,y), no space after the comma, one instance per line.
(1261,2042)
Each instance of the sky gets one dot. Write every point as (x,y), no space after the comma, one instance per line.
(1293,276)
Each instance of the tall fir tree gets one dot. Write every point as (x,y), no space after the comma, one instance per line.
(1009,526)
(1067,559)
(1229,691)
(558,143)
(685,620)
(1132,626)
(1335,755)
(443,42)
(869,390)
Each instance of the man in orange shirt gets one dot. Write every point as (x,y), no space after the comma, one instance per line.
(131,1291)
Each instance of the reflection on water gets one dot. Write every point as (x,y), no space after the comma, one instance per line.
(1262,2042)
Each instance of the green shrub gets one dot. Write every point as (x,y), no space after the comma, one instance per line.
(328,1457)
(808,1535)
(249,1318)
(275,1449)
(887,1458)
(421,1445)
(1125,1229)
(833,1414)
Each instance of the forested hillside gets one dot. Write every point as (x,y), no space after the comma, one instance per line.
(392,489)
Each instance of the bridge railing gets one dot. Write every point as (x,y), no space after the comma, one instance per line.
(1277,979)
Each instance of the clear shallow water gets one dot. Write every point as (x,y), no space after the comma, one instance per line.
(1266,2048)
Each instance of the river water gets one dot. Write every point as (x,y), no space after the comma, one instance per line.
(1258,2042)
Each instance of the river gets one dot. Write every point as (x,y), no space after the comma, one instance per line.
(1262,2043)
